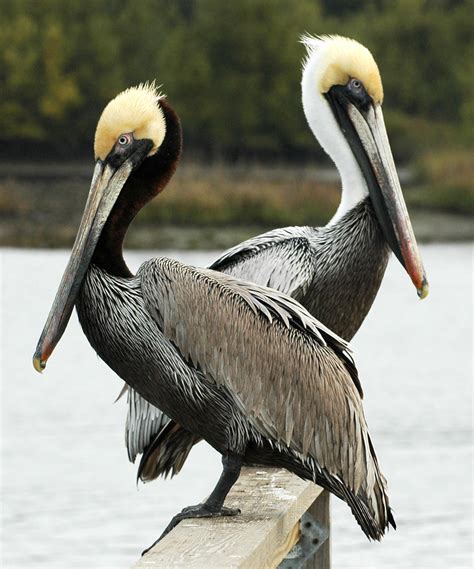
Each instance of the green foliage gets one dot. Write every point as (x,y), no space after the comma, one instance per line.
(231,69)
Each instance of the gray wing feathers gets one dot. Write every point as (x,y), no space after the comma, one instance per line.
(143,422)
(280,259)
(274,358)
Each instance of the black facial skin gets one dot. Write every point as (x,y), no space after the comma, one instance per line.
(136,150)
(339,98)
(357,95)
(353,92)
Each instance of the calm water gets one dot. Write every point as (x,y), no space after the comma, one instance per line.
(69,497)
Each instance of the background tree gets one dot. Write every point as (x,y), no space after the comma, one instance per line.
(231,69)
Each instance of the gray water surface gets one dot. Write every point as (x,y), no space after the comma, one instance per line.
(69,497)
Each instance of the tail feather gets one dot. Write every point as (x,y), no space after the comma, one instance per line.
(370,504)
(374,521)
(167,452)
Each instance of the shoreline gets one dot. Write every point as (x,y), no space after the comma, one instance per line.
(204,207)
(429,227)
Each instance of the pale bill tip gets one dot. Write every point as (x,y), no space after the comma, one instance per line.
(424,290)
(39,364)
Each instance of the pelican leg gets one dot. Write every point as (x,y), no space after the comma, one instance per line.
(213,506)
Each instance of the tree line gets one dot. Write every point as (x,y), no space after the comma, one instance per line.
(230,69)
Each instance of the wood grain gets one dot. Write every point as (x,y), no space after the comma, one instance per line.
(272,502)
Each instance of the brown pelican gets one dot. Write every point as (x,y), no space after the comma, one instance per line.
(243,366)
(333,271)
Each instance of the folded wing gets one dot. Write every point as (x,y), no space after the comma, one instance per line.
(286,372)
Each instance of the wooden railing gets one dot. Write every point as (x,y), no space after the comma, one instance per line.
(284,523)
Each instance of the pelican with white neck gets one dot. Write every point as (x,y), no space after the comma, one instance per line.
(334,271)
(328,64)
(342,99)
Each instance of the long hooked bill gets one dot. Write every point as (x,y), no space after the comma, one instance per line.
(387,195)
(105,188)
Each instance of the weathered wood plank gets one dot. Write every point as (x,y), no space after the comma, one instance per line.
(281,549)
(272,501)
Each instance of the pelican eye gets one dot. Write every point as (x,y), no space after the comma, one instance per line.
(125,139)
(357,94)
(355,84)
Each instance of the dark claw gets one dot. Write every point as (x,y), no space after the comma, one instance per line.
(199,511)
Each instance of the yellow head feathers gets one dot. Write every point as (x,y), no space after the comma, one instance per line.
(134,110)
(341,59)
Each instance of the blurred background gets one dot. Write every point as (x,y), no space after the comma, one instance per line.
(232,71)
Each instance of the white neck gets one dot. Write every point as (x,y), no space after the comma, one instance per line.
(326,130)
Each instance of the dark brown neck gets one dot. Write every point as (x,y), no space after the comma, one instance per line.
(143,184)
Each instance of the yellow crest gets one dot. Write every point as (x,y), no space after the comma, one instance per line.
(134,110)
(341,59)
